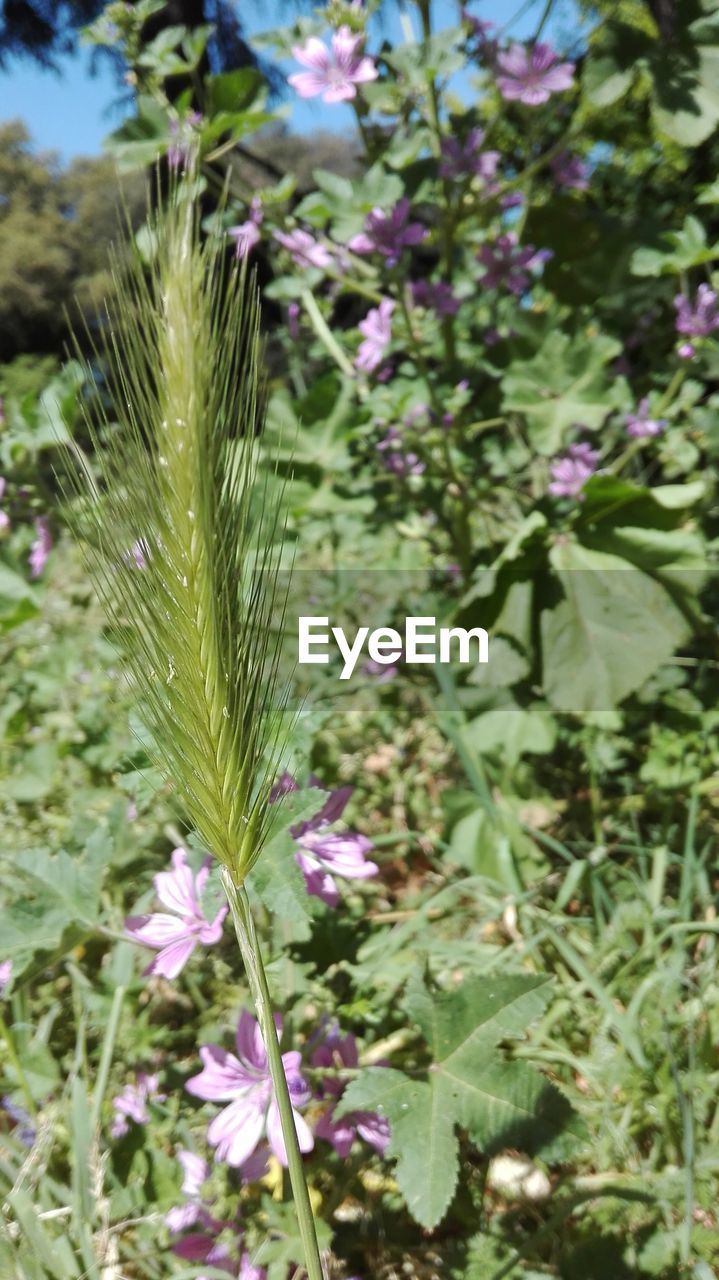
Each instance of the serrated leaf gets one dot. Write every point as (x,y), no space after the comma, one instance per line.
(57,900)
(470,1083)
(563,385)
(422,1137)
(479,1013)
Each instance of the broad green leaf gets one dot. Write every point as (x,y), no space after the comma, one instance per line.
(563,385)
(422,1137)
(56,901)
(511,731)
(469,1083)
(615,626)
(234,90)
(479,1013)
(687,248)
(502,1104)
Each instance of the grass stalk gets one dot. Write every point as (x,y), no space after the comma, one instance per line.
(252,956)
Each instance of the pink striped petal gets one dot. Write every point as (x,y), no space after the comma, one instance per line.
(236,1131)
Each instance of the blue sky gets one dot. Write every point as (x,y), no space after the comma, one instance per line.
(72,112)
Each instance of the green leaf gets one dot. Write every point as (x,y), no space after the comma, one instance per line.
(615,626)
(564,384)
(234,90)
(686,96)
(276,877)
(470,1083)
(511,731)
(18,600)
(56,902)
(688,248)
(422,1137)
(479,1013)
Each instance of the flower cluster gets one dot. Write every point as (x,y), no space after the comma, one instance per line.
(131,1103)
(698,321)
(571,471)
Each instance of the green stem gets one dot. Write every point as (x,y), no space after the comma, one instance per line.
(324,333)
(252,957)
(15,1063)
(108,1047)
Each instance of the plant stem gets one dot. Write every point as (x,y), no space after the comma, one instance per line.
(252,957)
(15,1063)
(325,335)
(108,1048)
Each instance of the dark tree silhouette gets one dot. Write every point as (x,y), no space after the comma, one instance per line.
(45,29)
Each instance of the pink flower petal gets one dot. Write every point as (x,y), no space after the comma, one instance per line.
(157,930)
(172,960)
(274,1133)
(212,932)
(314,54)
(221,1078)
(308,84)
(236,1131)
(175,888)
(250,1045)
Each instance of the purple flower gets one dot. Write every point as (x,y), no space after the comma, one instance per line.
(571,471)
(245,1082)
(338,1052)
(41,547)
(507,263)
(293,320)
(246,235)
(686,351)
(25,1130)
(200,1247)
(131,1104)
(460,158)
(388,233)
(435,296)
(304,249)
(5,976)
(138,555)
(394,457)
(181,132)
(194,1170)
(640,425)
(569,171)
(377,330)
(323,855)
(336,73)
(532,76)
(382,673)
(480,29)
(175,936)
(248,1270)
(702,319)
